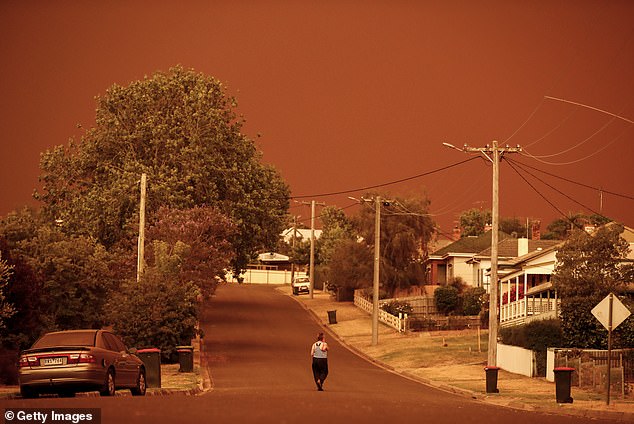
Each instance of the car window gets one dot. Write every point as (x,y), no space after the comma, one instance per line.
(114,343)
(74,338)
(107,342)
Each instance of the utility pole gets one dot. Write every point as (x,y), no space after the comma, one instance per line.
(377,261)
(293,245)
(312,245)
(494,154)
(312,249)
(141,245)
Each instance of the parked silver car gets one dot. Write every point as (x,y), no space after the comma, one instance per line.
(300,285)
(67,362)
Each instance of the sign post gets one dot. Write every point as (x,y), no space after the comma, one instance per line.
(610,312)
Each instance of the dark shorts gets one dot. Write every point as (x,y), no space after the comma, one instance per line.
(320,369)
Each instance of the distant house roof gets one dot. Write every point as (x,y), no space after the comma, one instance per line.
(470,245)
(509,248)
(272,257)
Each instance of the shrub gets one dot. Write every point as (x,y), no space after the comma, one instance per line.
(397,306)
(537,336)
(473,300)
(156,312)
(447,299)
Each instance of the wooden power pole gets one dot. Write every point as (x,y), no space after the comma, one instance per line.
(141,245)
(493,153)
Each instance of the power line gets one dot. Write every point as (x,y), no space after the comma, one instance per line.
(578,144)
(571,181)
(589,107)
(614,140)
(540,193)
(385,184)
(559,191)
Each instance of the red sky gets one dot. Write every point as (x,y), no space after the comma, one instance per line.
(350,94)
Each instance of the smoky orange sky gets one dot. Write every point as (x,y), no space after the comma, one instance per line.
(352,94)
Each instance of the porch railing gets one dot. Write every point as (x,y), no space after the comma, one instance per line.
(524,308)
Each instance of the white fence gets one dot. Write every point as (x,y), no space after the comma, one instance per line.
(399,323)
(516,360)
(264,276)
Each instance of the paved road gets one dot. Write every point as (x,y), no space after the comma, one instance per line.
(257,341)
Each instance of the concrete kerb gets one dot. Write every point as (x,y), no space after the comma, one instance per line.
(512,404)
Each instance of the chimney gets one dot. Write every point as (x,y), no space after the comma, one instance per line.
(536,232)
(456,232)
(522,246)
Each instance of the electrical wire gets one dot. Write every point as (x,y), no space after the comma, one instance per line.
(541,194)
(319,216)
(563,194)
(552,130)
(578,144)
(614,140)
(539,105)
(522,164)
(589,107)
(385,184)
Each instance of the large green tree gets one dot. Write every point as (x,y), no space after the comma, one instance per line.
(181,129)
(406,228)
(589,267)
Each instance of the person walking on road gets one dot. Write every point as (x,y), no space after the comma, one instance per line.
(319,355)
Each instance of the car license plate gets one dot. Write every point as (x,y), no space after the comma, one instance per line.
(53,361)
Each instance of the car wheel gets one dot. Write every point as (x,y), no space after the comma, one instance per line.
(108,385)
(141,385)
(28,393)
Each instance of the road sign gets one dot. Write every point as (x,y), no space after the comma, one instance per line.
(611,313)
(619,312)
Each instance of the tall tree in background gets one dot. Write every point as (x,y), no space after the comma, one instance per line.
(336,228)
(474,221)
(181,129)
(589,267)
(406,229)
(561,228)
(513,227)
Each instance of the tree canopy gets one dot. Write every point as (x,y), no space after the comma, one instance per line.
(473,222)
(406,229)
(6,309)
(183,131)
(589,267)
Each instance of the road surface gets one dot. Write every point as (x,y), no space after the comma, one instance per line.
(257,341)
